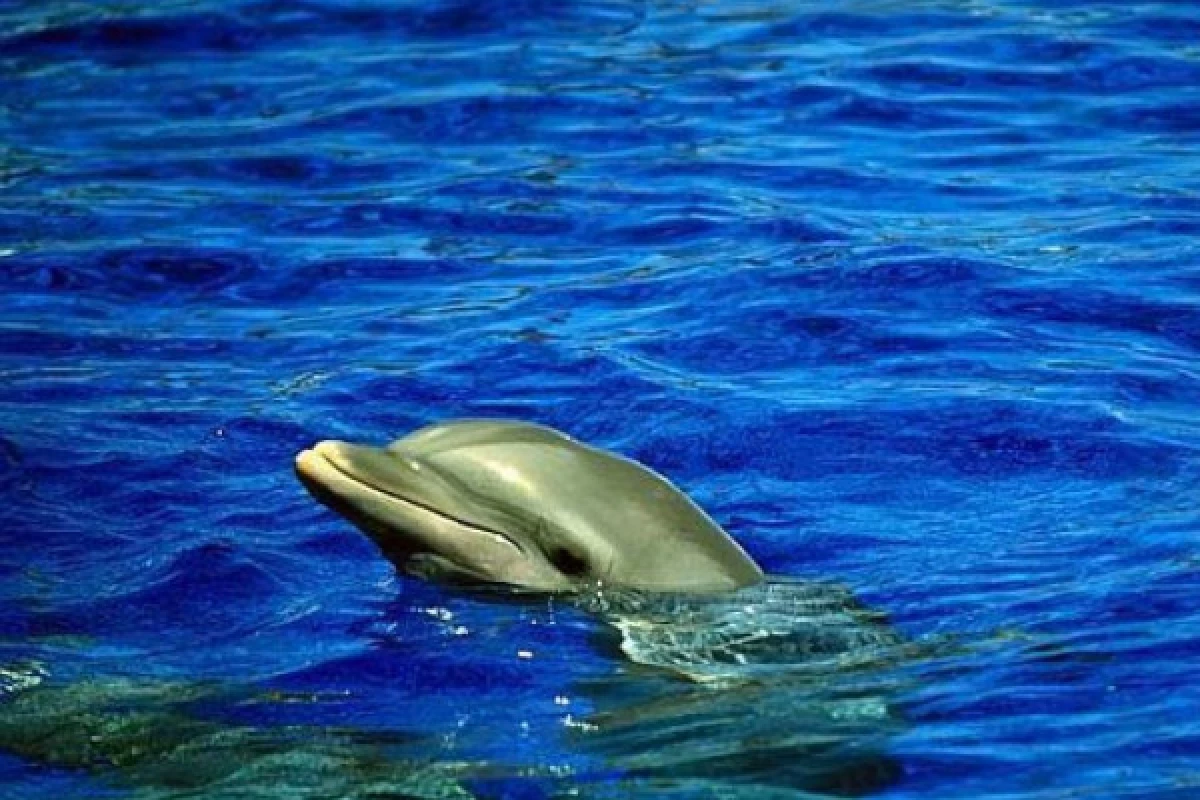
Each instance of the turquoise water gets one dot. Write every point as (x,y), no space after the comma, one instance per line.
(907,295)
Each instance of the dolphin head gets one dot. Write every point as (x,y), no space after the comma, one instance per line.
(522,504)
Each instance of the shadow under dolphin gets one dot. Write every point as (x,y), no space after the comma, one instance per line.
(152,739)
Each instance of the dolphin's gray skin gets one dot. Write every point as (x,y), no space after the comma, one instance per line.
(522,504)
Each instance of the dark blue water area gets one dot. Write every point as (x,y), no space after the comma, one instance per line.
(906,295)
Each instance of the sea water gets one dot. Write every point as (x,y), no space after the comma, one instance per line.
(906,294)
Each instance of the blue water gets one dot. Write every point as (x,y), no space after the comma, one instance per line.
(906,294)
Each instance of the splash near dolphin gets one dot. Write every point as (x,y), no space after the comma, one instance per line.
(522,504)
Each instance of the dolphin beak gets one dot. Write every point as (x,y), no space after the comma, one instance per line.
(316,468)
(309,463)
(405,510)
(351,470)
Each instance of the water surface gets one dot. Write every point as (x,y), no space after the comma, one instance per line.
(907,295)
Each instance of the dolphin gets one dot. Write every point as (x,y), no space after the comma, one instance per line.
(516,503)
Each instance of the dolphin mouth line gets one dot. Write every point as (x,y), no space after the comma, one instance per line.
(423,506)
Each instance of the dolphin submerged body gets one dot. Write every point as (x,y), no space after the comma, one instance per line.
(525,505)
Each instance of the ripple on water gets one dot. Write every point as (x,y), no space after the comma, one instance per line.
(905,296)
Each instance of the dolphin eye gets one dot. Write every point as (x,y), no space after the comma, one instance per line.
(566,562)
